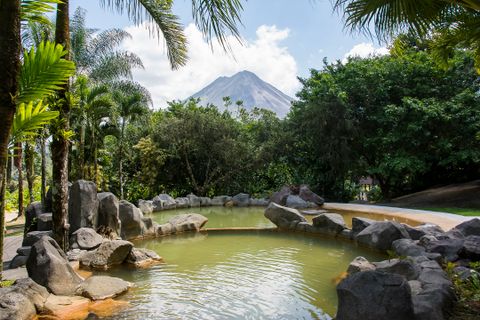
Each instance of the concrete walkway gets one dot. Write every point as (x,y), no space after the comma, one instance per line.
(445,220)
(10,246)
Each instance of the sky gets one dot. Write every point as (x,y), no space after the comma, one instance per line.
(282,40)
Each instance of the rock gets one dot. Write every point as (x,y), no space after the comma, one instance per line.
(464,273)
(32,212)
(205,201)
(294,201)
(163,202)
(229,204)
(329,223)
(380,235)
(83,205)
(62,306)
(309,196)
(346,234)
(44,222)
(18,261)
(141,258)
(193,200)
(24,251)
(415,287)
(102,287)
(22,300)
(75,254)
(403,267)
(358,224)
(85,239)
(471,248)
(149,227)
(188,222)
(48,265)
(425,229)
(220,200)
(448,248)
(469,227)
(359,264)
(372,295)
(280,197)
(132,225)
(146,206)
(109,211)
(182,202)
(108,254)
(283,217)
(407,247)
(258,202)
(33,236)
(426,239)
(241,200)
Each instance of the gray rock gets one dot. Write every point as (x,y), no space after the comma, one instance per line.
(193,200)
(24,251)
(163,202)
(469,227)
(205,202)
(32,212)
(425,229)
(109,212)
(403,267)
(407,247)
(465,273)
(220,200)
(448,248)
(48,266)
(85,239)
(102,287)
(358,224)
(380,235)
(280,197)
(83,205)
(18,261)
(308,195)
(149,227)
(22,300)
(33,236)
(373,295)
(146,206)
(471,248)
(109,253)
(75,254)
(241,200)
(346,234)
(188,222)
(258,202)
(294,201)
(283,217)
(415,287)
(182,202)
(426,239)
(329,223)
(132,225)
(140,257)
(360,264)
(44,222)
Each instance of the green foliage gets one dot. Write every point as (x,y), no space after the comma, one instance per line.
(35,10)
(11,196)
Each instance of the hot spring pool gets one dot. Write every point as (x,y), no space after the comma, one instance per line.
(248,275)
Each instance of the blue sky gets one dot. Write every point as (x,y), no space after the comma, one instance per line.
(280,34)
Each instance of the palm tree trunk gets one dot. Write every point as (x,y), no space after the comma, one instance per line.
(19,165)
(9,168)
(30,169)
(81,156)
(95,158)
(43,187)
(10,62)
(120,159)
(59,143)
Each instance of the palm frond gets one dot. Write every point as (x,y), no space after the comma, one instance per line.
(29,118)
(43,72)
(35,10)
(107,41)
(127,87)
(160,20)
(114,66)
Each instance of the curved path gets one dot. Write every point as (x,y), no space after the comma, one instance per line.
(445,220)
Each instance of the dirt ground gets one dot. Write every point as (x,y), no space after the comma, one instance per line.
(461,195)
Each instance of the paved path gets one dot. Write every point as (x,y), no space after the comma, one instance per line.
(443,219)
(10,246)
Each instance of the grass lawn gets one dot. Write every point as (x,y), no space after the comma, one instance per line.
(460,211)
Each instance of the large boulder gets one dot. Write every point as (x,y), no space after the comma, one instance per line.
(188,222)
(182,202)
(102,287)
(469,227)
(283,217)
(83,205)
(142,258)
(373,295)
(294,201)
(448,248)
(146,206)
(205,201)
(410,248)
(33,236)
(48,266)
(308,195)
(359,224)
(193,200)
(32,212)
(108,254)
(258,202)
(403,267)
(471,248)
(380,235)
(132,224)
(45,222)
(23,300)
(329,223)
(360,264)
(85,239)
(241,200)
(280,197)
(163,202)
(425,229)
(220,200)
(108,211)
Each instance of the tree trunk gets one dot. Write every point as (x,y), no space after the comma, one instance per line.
(95,158)
(43,187)
(81,153)
(10,45)
(9,168)
(18,160)
(120,159)
(60,145)
(30,169)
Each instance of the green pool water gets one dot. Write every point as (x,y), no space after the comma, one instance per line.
(248,275)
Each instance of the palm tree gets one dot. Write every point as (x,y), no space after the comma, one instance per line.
(449,23)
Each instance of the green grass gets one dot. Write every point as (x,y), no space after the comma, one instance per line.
(460,211)
(6,283)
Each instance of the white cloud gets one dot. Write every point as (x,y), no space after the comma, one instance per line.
(264,56)
(364,50)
